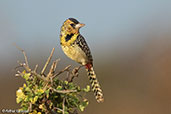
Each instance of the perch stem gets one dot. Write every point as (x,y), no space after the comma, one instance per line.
(47,62)
(63,91)
(60,72)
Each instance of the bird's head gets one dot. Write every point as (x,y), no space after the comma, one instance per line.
(72,26)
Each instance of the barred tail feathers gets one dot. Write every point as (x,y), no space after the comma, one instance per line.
(94,84)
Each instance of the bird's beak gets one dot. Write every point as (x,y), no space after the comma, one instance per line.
(79,25)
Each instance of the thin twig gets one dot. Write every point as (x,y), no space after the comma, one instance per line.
(45,86)
(19,74)
(74,74)
(63,91)
(50,74)
(52,69)
(58,109)
(33,72)
(25,57)
(63,106)
(60,72)
(39,76)
(30,107)
(47,62)
(35,69)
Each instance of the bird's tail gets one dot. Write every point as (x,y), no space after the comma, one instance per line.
(94,83)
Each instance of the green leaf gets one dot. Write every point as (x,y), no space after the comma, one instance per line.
(81,107)
(87,89)
(66,112)
(27,98)
(34,99)
(42,106)
(20,95)
(59,88)
(39,92)
(71,86)
(26,76)
(27,89)
(66,82)
(47,93)
(18,100)
(85,102)
(78,88)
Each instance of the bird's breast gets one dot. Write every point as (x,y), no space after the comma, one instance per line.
(75,53)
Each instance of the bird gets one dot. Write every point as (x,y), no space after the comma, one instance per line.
(75,47)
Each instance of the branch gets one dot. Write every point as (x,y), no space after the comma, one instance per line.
(74,74)
(58,109)
(32,72)
(60,72)
(52,69)
(19,74)
(63,106)
(39,76)
(63,91)
(25,57)
(30,107)
(35,69)
(47,62)
(27,68)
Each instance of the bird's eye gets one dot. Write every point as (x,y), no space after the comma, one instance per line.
(72,25)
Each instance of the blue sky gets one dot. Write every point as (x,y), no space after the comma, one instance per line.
(108,22)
